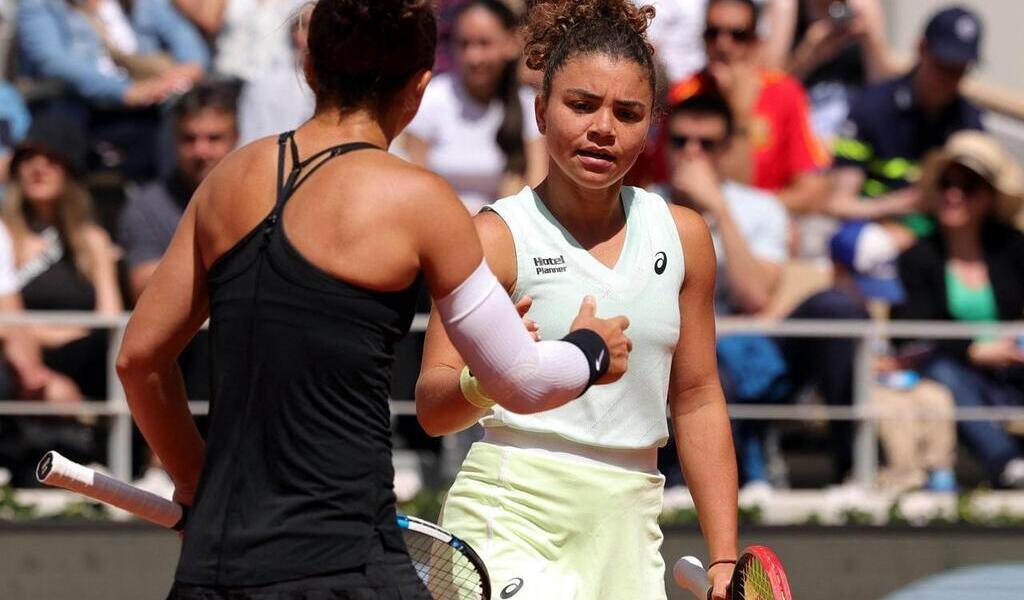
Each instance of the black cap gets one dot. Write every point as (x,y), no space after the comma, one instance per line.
(61,139)
(953,35)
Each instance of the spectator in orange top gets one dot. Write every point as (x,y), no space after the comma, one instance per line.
(779,151)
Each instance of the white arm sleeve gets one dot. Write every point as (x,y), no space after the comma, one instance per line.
(519,374)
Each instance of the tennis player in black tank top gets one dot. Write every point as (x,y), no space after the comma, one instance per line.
(306,268)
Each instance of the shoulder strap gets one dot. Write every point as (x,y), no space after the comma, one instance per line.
(286,187)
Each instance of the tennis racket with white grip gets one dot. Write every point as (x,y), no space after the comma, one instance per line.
(447,565)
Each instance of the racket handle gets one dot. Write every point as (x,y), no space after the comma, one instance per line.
(57,471)
(689,574)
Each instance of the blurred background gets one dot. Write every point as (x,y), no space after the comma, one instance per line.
(868,151)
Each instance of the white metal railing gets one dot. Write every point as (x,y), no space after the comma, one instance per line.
(868,334)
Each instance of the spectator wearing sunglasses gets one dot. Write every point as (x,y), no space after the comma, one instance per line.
(971,268)
(775,148)
(894,124)
(749,229)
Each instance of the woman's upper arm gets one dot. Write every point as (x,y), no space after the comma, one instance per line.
(499,251)
(175,303)
(694,363)
(447,244)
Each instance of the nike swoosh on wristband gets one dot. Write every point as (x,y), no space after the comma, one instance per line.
(597,363)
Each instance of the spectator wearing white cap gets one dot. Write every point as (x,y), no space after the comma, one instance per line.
(915,427)
(971,269)
(863,257)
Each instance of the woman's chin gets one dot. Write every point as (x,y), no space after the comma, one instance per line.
(595,180)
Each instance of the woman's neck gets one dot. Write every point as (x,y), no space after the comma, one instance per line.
(483,95)
(963,243)
(334,127)
(41,216)
(592,216)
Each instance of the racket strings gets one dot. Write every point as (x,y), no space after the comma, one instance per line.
(447,573)
(756,584)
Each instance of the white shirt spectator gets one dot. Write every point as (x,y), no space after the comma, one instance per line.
(764,223)
(677,35)
(280,101)
(8,273)
(461,134)
(255,37)
(117,28)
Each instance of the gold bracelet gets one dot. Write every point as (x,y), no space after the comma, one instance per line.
(471,390)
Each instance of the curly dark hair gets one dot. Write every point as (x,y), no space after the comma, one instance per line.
(363,51)
(558,30)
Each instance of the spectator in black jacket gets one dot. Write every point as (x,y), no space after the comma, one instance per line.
(972,269)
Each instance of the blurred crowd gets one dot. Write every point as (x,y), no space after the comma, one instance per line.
(838,183)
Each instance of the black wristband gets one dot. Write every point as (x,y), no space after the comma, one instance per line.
(596,351)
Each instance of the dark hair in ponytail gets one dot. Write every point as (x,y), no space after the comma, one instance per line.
(510,134)
(559,30)
(363,51)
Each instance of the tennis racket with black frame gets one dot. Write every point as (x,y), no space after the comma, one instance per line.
(758,576)
(448,566)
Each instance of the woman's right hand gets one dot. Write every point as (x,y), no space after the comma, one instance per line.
(612,331)
(997,354)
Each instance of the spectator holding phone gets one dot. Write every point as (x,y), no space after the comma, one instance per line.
(894,124)
(834,47)
(775,148)
(971,269)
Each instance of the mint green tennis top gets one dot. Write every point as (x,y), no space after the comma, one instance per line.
(557,272)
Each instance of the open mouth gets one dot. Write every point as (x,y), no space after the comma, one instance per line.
(596,154)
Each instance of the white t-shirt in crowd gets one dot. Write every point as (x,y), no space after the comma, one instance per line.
(677,35)
(762,220)
(461,134)
(764,223)
(8,272)
(278,101)
(256,37)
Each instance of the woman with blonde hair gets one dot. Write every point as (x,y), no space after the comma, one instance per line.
(972,269)
(64,260)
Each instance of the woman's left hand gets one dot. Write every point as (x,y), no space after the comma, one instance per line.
(721,575)
(996,354)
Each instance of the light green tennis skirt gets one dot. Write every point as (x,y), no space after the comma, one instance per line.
(555,528)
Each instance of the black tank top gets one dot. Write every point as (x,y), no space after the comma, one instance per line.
(297,476)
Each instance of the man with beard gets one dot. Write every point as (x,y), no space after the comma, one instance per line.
(205,131)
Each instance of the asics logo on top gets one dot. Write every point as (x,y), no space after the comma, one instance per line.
(550,265)
(660,261)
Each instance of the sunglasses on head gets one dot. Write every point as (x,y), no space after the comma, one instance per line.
(964,180)
(712,32)
(706,144)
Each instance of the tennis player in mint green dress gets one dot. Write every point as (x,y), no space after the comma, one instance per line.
(564,503)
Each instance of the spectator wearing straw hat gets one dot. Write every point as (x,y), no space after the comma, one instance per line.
(971,269)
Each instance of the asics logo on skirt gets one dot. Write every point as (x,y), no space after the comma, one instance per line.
(512,588)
